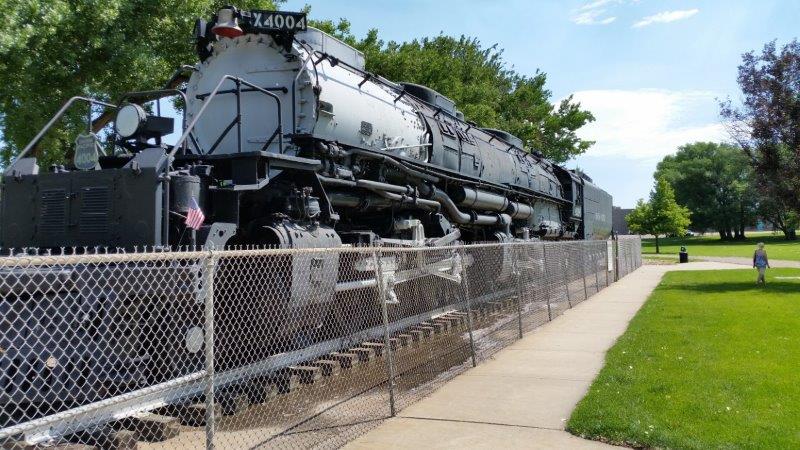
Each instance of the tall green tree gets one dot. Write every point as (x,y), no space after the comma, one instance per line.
(715,181)
(767,123)
(51,50)
(661,215)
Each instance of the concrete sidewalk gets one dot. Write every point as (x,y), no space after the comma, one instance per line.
(523,396)
(740,260)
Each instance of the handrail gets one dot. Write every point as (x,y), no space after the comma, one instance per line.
(55,118)
(213,93)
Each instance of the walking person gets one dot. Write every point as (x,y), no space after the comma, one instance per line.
(761,262)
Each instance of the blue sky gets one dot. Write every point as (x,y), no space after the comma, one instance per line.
(650,70)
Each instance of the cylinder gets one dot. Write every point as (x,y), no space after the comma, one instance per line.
(520,210)
(480,200)
(183,189)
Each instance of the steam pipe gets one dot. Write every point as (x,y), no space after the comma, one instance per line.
(520,210)
(369,184)
(439,197)
(482,200)
(391,161)
(430,204)
(463,218)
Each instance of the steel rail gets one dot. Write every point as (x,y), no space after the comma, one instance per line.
(28,260)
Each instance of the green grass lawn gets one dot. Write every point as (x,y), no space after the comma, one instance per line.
(777,247)
(710,361)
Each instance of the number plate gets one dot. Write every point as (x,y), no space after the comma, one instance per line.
(266,21)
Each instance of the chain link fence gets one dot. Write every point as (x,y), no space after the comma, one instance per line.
(251,348)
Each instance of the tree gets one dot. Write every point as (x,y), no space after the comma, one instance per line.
(715,182)
(767,123)
(51,50)
(776,213)
(661,215)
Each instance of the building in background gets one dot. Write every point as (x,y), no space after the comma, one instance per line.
(618,223)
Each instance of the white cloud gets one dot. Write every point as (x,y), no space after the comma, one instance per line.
(647,124)
(593,13)
(596,4)
(666,17)
(592,18)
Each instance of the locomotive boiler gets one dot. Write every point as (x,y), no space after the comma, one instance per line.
(287,141)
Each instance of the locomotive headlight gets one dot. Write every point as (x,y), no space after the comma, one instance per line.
(130,119)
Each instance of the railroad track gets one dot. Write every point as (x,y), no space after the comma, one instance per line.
(281,395)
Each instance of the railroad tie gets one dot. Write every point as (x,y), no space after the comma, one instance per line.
(13,442)
(104,437)
(151,427)
(66,446)
(456,320)
(306,374)
(437,327)
(443,322)
(193,415)
(364,354)
(417,335)
(233,403)
(260,390)
(285,382)
(328,367)
(425,330)
(405,339)
(347,360)
(376,346)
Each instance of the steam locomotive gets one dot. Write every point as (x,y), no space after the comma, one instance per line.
(286,141)
(286,134)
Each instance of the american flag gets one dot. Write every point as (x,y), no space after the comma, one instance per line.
(195,216)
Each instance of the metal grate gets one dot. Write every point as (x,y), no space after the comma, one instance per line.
(95,209)
(53,211)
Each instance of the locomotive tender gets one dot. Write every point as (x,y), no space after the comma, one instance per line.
(286,141)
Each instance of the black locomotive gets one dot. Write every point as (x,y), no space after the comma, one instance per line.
(287,141)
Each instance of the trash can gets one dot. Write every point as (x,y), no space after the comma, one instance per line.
(683,255)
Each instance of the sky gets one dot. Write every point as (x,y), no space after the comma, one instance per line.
(652,72)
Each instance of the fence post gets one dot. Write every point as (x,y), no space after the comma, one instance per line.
(544,276)
(616,258)
(465,285)
(566,279)
(208,341)
(387,343)
(583,275)
(608,259)
(518,273)
(596,275)
(633,263)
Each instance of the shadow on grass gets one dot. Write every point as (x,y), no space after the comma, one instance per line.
(772,287)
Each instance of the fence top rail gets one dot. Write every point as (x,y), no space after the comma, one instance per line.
(28,259)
